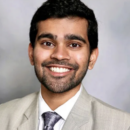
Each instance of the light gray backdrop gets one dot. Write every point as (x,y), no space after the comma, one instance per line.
(109,80)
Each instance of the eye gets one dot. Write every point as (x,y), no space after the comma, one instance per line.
(74,45)
(47,44)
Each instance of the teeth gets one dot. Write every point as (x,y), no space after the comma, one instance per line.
(59,70)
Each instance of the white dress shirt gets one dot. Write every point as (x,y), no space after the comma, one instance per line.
(63,110)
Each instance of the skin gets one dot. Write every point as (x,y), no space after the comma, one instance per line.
(61,47)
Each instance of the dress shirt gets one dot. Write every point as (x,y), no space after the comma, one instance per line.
(62,110)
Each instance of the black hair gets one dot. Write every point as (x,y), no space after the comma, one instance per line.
(62,9)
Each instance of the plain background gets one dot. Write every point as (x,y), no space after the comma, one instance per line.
(108,81)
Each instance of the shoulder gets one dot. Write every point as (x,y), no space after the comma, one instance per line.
(109,113)
(104,106)
(12,112)
(100,115)
(17,104)
(100,106)
(103,114)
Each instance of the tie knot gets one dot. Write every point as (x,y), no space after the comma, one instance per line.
(50,119)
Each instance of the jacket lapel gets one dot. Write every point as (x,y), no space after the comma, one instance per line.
(80,113)
(30,117)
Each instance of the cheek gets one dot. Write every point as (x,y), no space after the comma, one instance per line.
(81,58)
(41,55)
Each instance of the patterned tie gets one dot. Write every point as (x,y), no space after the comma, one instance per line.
(50,119)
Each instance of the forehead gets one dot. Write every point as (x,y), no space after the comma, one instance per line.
(63,26)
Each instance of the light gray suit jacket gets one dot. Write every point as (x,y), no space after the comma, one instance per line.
(88,113)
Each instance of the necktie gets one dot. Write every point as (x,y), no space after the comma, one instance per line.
(50,119)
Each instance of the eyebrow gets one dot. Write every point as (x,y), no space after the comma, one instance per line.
(47,35)
(68,37)
(75,37)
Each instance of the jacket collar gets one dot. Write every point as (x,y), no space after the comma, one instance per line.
(80,113)
(30,117)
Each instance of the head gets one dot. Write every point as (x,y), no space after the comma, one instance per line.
(59,23)
(62,9)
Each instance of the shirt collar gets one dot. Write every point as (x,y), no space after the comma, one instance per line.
(62,110)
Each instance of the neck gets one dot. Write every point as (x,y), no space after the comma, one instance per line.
(54,100)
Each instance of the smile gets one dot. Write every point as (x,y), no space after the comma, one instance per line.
(59,69)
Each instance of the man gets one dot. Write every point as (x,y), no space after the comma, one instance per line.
(63,45)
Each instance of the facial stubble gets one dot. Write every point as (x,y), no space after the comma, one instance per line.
(60,84)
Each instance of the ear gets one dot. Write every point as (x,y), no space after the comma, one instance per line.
(93,58)
(30,53)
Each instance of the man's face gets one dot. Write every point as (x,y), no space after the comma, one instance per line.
(61,54)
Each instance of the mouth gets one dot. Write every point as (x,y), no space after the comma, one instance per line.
(59,70)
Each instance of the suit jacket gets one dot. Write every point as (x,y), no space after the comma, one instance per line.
(88,113)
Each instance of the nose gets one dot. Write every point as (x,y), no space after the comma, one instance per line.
(60,53)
